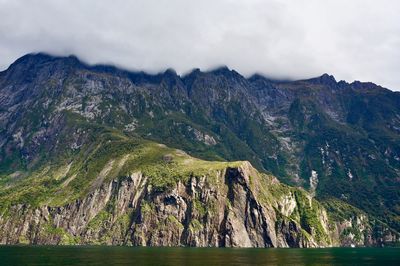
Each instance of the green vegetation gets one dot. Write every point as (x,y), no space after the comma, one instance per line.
(99,221)
(173,221)
(309,210)
(72,135)
(199,207)
(195,226)
(107,156)
(64,238)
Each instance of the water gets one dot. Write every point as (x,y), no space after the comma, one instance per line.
(100,255)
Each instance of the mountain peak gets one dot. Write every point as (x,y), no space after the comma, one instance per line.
(258,76)
(225,72)
(33,59)
(358,85)
(221,70)
(327,76)
(324,79)
(170,72)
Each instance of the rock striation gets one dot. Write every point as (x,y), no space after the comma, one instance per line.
(229,211)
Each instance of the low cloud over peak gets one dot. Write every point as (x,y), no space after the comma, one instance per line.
(295,39)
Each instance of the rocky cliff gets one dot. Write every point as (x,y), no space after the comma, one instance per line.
(231,206)
(211,204)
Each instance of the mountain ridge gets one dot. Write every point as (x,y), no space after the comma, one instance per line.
(222,68)
(337,140)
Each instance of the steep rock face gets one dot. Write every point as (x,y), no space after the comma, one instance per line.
(225,212)
(352,227)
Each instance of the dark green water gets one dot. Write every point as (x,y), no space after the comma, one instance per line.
(50,255)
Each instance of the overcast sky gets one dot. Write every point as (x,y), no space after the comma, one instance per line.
(351,39)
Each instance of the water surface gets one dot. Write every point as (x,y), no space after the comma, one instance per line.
(101,255)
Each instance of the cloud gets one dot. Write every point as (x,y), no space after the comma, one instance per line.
(352,39)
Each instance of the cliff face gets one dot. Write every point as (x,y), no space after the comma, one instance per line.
(228,210)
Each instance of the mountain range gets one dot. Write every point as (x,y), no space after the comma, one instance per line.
(93,154)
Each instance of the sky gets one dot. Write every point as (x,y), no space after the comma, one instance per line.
(282,39)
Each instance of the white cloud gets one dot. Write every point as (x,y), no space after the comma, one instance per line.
(353,39)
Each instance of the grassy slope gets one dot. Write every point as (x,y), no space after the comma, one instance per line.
(111,155)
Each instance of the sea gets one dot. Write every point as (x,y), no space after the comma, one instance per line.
(114,255)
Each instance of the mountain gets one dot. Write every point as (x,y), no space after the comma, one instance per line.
(83,158)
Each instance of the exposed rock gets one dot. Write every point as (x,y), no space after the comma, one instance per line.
(59,111)
(222,212)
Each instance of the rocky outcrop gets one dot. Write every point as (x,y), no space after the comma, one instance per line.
(225,210)
(361,230)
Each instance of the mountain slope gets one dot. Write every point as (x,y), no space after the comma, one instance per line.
(340,141)
(125,191)
(148,194)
